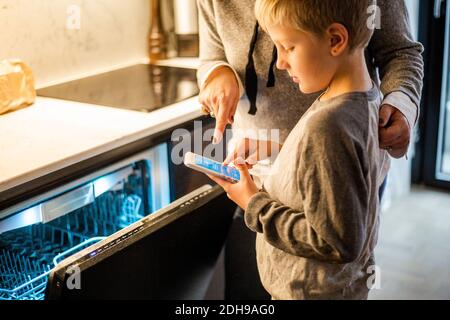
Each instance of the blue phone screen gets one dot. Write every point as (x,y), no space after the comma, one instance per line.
(217,167)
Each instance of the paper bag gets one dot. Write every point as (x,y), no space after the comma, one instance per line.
(16,86)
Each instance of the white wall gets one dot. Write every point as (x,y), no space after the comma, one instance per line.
(44,34)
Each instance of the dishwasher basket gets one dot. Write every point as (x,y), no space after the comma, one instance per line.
(27,255)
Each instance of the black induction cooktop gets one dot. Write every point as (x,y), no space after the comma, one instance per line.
(141,87)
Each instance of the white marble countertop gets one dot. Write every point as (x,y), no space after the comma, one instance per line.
(53,134)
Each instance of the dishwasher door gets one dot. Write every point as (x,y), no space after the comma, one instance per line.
(170,254)
(36,235)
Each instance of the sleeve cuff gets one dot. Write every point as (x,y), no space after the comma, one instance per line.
(255,206)
(404,104)
(213,67)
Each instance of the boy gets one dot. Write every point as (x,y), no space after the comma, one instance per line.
(317,216)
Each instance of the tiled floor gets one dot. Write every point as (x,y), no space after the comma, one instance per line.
(413,252)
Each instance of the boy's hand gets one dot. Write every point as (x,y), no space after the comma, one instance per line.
(242,191)
(252,151)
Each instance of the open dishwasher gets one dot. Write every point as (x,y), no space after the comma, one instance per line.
(134,224)
(37,235)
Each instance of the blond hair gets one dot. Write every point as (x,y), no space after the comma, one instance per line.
(317,15)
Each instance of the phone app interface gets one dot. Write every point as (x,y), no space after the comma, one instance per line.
(217,167)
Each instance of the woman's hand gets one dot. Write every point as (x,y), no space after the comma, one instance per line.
(252,151)
(394,131)
(242,191)
(220,95)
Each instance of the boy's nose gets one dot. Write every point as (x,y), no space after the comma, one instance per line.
(281,63)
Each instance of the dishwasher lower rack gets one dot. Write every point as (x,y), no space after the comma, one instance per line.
(27,255)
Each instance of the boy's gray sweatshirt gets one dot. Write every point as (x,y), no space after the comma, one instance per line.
(317,218)
(226,28)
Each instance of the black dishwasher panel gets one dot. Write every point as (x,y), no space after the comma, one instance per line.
(168,255)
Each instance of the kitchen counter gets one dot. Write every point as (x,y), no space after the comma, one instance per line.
(54,134)
(54,142)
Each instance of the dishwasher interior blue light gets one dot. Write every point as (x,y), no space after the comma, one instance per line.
(40,237)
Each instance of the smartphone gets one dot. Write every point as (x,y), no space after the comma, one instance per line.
(200,163)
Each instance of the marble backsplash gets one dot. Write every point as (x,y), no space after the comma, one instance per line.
(63,39)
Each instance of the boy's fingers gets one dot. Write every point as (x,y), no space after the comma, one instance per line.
(252,159)
(243,170)
(239,161)
(238,151)
(229,158)
(224,184)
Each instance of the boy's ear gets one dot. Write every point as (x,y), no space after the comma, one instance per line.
(338,37)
